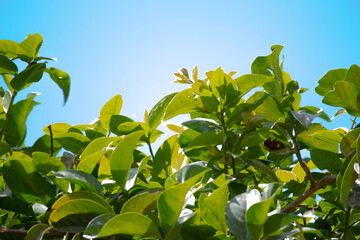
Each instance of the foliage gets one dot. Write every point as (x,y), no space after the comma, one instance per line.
(234,170)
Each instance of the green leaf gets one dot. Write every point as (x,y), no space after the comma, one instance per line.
(133,224)
(354,196)
(206,140)
(143,202)
(23,180)
(96,145)
(29,48)
(202,126)
(81,195)
(30,75)
(277,221)
(37,232)
(326,160)
(236,211)
(4,148)
(74,215)
(7,66)
(256,217)
(16,129)
(112,107)
(348,179)
(190,170)
(215,206)
(122,158)
(157,112)
(269,103)
(88,163)
(9,48)
(326,83)
(353,75)
(96,224)
(218,83)
(264,168)
(347,142)
(62,79)
(44,164)
(170,203)
(84,180)
(72,141)
(182,103)
(315,110)
(133,173)
(304,118)
(247,82)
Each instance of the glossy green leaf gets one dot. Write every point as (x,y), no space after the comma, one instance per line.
(354,196)
(96,145)
(37,232)
(133,224)
(348,179)
(314,110)
(157,112)
(190,170)
(22,178)
(236,211)
(82,195)
(326,160)
(347,142)
(29,48)
(112,123)
(72,141)
(182,103)
(16,129)
(170,203)
(84,180)
(7,66)
(202,126)
(215,206)
(134,172)
(247,82)
(74,215)
(122,158)
(258,164)
(28,76)
(218,82)
(305,119)
(277,221)
(88,163)
(62,79)
(256,217)
(142,202)
(112,107)
(4,148)
(44,164)
(96,224)
(326,83)
(206,140)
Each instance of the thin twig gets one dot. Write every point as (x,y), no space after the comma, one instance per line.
(150,149)
(22,232)
(322,183)
(51,141)
(353,123)
(302,163)
(111,201)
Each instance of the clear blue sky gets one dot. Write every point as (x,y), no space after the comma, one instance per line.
(133,47)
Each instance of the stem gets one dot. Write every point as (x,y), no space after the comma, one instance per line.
(346,230)
(150,149)
(7,115)
(111,201)
(353,123)
(51,141)
(22,232)
(322,183)
(226,144)
(302,163)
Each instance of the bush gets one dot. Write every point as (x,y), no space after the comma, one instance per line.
(234,170)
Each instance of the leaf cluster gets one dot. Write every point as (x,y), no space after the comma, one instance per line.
(234,170)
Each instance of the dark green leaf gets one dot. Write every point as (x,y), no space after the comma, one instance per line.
(7,66)
(206,140)
(277,221)
(85,180)
(348,180)
(72,141)
(202,126)
(62,79)
(326,160)
(96,224)
(22,178)
(44,164)
(28,76)
(354,196)
(190,170)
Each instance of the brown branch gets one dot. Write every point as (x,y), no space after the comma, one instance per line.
(115,198)
(322,183)
(302,163)
(22,232)
(51,141)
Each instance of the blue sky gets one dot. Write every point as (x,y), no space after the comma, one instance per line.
(133,47)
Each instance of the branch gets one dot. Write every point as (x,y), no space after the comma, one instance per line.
(51,141)
(23,232)
(115,198)
(302,163)
(322,183)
